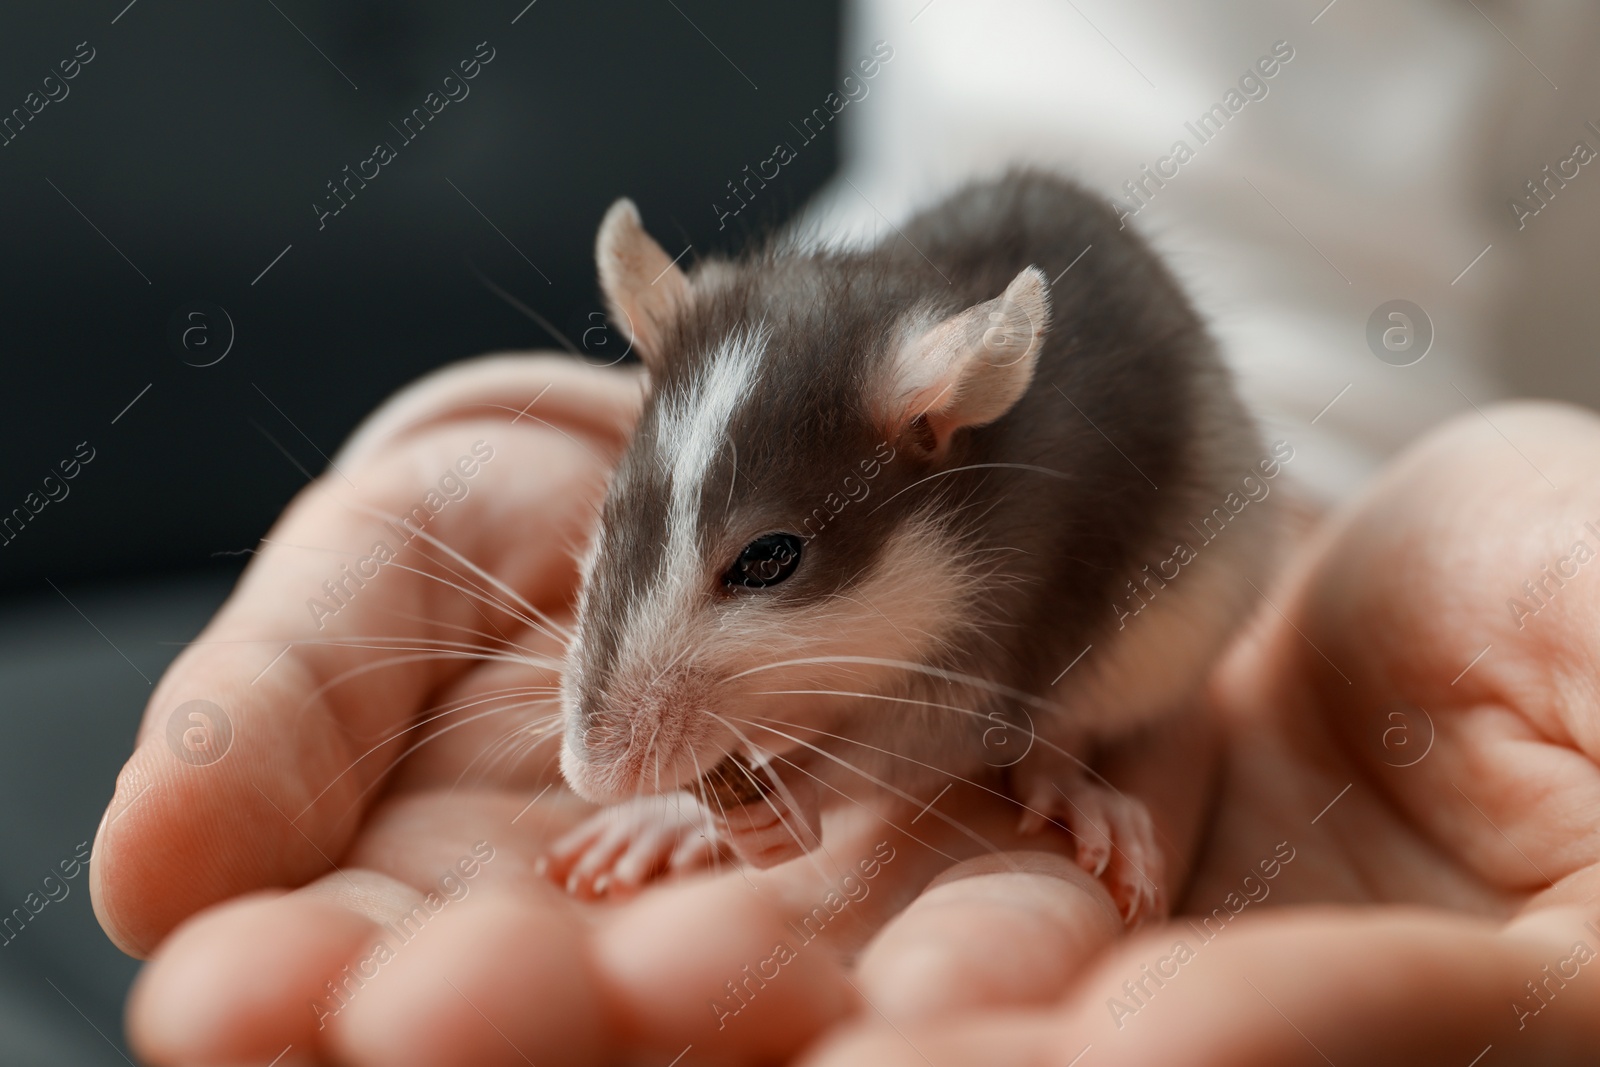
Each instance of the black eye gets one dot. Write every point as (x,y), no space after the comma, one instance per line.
(767,560)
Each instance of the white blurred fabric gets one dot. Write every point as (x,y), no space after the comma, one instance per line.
(1379,165)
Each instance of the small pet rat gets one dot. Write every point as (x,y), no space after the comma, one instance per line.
(911,513)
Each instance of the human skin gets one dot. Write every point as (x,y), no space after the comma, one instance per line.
(1417,905)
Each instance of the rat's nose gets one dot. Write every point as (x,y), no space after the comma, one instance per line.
(641,732)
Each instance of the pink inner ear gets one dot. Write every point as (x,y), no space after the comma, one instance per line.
(931,370)
(931,367)
(969,369)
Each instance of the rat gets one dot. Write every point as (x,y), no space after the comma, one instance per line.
(954,505)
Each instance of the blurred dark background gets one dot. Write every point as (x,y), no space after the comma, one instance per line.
(198,140)
(166,205)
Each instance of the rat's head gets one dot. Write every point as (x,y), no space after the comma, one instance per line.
(766,542)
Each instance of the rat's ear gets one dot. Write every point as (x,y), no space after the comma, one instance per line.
(971,368)
(644,289)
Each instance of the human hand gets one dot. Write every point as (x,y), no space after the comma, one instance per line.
(367,787)
(623,971)
(1417,733)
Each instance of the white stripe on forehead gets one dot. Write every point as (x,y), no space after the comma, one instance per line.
(690,429)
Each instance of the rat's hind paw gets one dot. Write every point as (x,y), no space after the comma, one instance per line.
(618,850)
(1116,839)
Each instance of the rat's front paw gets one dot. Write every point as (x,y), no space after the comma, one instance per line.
(1116,839)
(776,827)
(618,850)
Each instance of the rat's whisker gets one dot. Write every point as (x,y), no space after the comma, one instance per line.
(444,710)
(860,803)
(976,837)
(708,829)
(906,665)
(526,741)
(434,736)
(419,655)
(711,828)
(543,625)
(497,639)
(1002,794)
(469,591)
(524,413)
(871,696)
(514,745)
(411,644)
(1034,735)
(511,594)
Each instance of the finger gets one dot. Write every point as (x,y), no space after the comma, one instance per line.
(1396,987)
(881,859)
(272,970)
(746,966)
(1448,655)
(975,1041)
(311,733)
(364,969)
(1392,987)
(238,983)
(714,965)
(552,388)
(495,981)
(989,932)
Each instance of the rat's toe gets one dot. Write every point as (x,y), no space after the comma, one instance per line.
(1115,839)
(621,849)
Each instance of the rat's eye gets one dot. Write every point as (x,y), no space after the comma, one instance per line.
(767,560)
